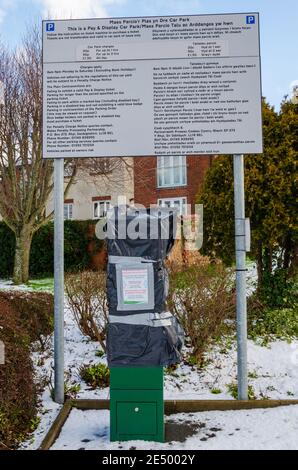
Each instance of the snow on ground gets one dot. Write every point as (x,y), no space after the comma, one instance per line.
(7,284)
(44,285)
(273,373)
(251,277)
(275,428)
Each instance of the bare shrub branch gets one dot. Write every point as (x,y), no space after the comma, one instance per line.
(202,298)
(86,294)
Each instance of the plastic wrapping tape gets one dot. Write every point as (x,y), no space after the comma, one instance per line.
(140,330)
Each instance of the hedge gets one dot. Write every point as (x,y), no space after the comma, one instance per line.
(76,255)
(35,312)
(24,318)
(7,243)
(18,394)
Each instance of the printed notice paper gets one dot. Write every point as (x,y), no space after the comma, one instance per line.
(135,286)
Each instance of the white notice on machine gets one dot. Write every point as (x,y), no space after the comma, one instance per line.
(135,286)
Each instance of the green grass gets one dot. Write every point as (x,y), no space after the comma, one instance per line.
(250,261)
(252,375)
(272,324)
(95,375)
(99,353)
(46,284)
(233,390)
(70,390)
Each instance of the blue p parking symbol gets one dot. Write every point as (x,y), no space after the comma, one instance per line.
(250,19)
(50,27)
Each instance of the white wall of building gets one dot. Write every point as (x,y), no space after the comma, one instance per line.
(85,187)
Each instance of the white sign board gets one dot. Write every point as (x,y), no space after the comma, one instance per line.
(174,85)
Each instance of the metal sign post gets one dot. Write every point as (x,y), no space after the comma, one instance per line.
(59,278)
(139,87)
(240,247)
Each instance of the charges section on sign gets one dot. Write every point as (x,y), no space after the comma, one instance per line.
(152,86)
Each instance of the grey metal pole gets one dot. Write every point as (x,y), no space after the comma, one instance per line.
(59,278)
(240,277)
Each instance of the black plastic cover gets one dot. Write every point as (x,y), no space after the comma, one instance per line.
(142,345)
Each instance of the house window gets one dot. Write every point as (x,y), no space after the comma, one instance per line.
(100,208)
(68,210)
(179,202)
(171,171)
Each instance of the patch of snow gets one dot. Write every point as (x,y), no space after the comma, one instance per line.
(7,284)
(273,373)
(251,277)
(274,428)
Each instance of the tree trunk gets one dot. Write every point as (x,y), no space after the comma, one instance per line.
(22,256)
(287,252)
(293,270)
(267,259)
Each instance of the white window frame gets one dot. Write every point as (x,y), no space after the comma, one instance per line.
(183,203)
(68,207)
(166,166)
(106,203)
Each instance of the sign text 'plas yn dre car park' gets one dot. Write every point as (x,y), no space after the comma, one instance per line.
(152,86)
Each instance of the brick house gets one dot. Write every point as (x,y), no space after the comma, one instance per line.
(169,180)
(166,181)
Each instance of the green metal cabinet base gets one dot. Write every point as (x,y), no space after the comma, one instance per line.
(136,404)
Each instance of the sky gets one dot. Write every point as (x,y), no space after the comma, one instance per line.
(278,27)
